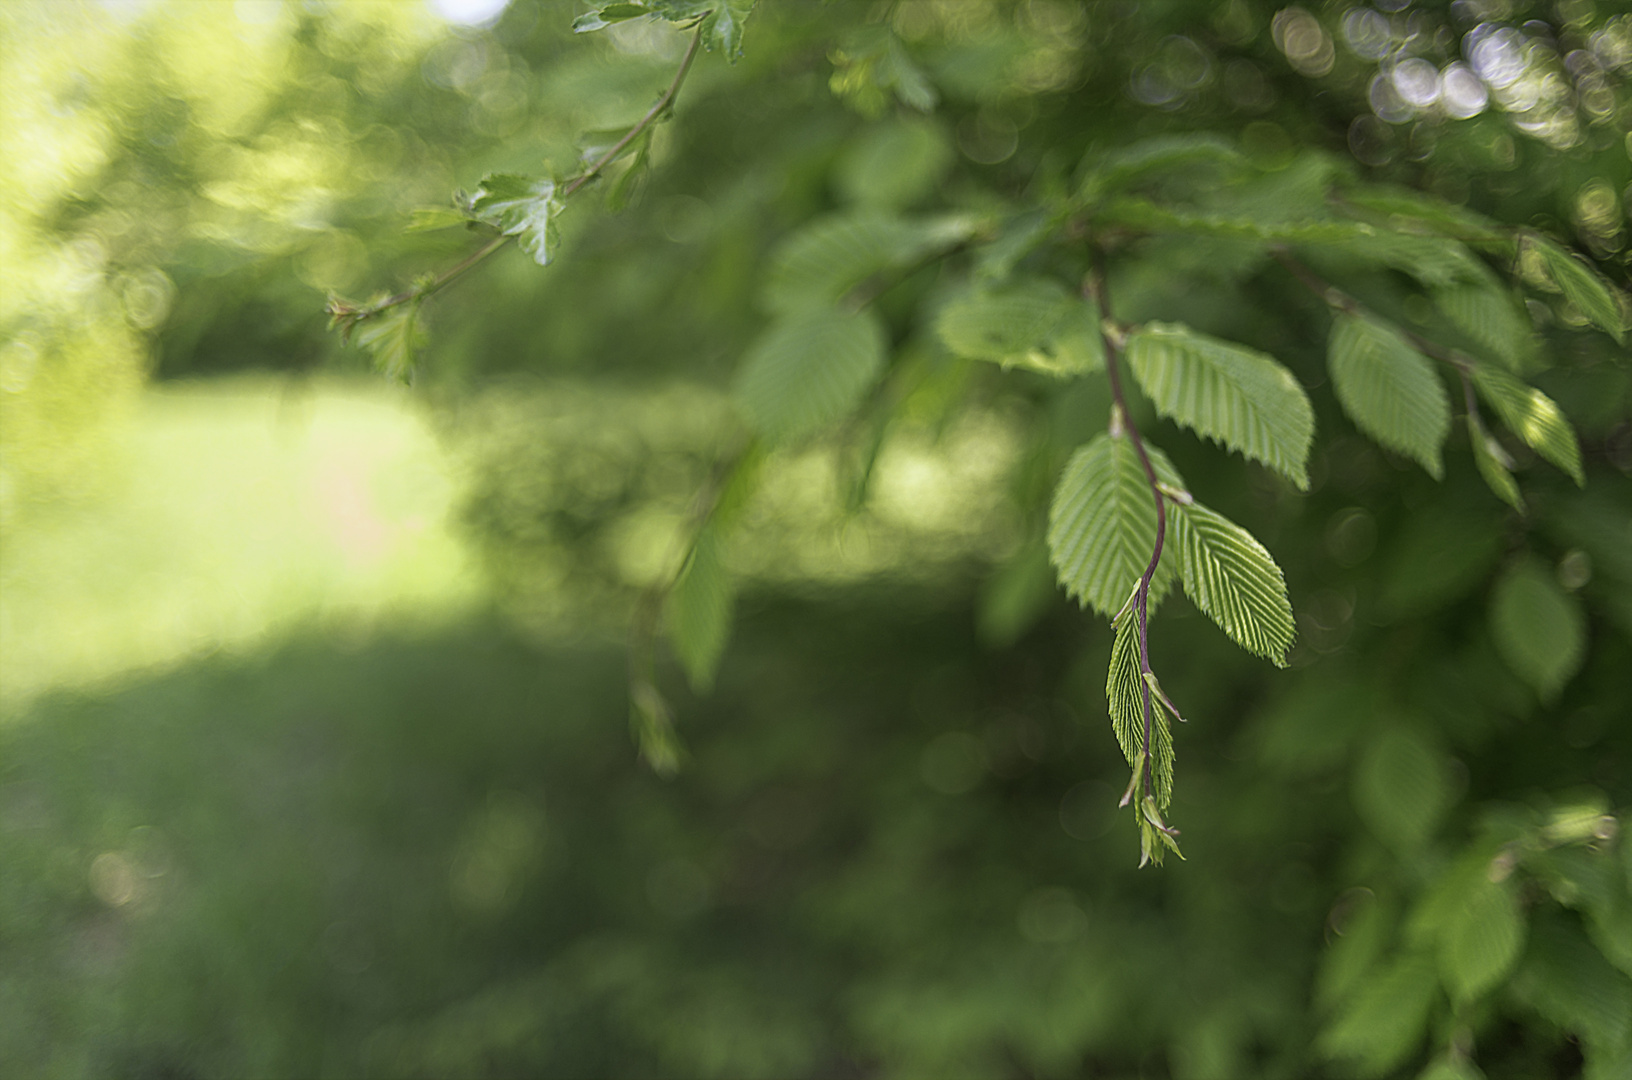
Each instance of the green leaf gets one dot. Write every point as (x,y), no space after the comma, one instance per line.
(873,65)
(1488,315)
(1116,170)
(1234,581)
(895,163)
(392,337)
(1102,523)
(1124,696)
(1235,395)
(1494,465)
(808,369)
(606,16)
(1481,939)
(431,218)
(1026,322)
(1383,1024)
(1389,389)
(1568,981)
(1533,417)
(1404,208)
(1454,1068)
(1436,263)
(521,206)
(820,263)
(1581,285)
(1134,213)
(1362,925)
(1539,629)
(1400,788)
(699,610)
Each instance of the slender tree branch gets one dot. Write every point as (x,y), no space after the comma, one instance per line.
(1095,290)
(428,286)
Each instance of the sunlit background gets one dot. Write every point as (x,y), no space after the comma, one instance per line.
(315,740)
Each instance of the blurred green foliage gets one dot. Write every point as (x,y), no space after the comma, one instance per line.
(346,847)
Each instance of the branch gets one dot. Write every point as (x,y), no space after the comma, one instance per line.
(1094,289)
(350,314)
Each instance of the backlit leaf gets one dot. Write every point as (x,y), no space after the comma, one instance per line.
(392,338)
(699,610)
(1102,523)
(1124,696)
(1383,1024)
(1533,417)
(521,206)
(1581,285)
(1400,788)
(1494,465)
(808,369)
(1481,939)
(1227,392)
(1404,208)
(1491,317)
(1114,171)
(1234,581)
(1539,629)
(1389,389)
(1027,322)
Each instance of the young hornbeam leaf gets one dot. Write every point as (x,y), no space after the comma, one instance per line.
(1235,395)
(611,13)
(1389,389)
(521,206)
(1494,464)
(1025,322)
(1156,837)
(1533,417)
(1234,581)
(1156,689)
(808,369)
(1105,173)
(1102,522)
(722,20)
(699,610)
(653,726)
(819,264)
(1488,314)
(1125,700)
(1581,285)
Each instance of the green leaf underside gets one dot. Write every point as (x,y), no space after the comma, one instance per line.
(808,369)
(1389,389)
(699,610)
(1027,322)
(392,338)
(1493,465)
(1538,628)
(1237,396)
(1490,317)
(1124,696)
(1234,581)
(820,263)
(1102,524)
(523,207)
(1533,417)
(1581,286)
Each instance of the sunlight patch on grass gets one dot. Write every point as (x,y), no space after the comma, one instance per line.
(240,510)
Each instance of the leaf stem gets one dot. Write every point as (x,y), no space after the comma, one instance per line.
(431,285)
(1094,289)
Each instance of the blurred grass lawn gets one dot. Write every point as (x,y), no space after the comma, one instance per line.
(232,512)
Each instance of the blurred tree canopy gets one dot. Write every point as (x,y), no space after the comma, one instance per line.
(830,383)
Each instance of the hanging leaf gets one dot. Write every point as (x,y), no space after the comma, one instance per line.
(1568,981)
(1539,629)
(1383,1024)
(1488,315)
(1026,322)
(1494,465)
(606,16)
(1124,696)
(1234,581)
(1226,392)
(521,206)
(1400,788)
(392,337)
(1581,285)
(820,263)
(699,610)
(1112,172)
(871,67)
(808,369)
(721,20)
(1533,417)
(1102,523)
(1389,389)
